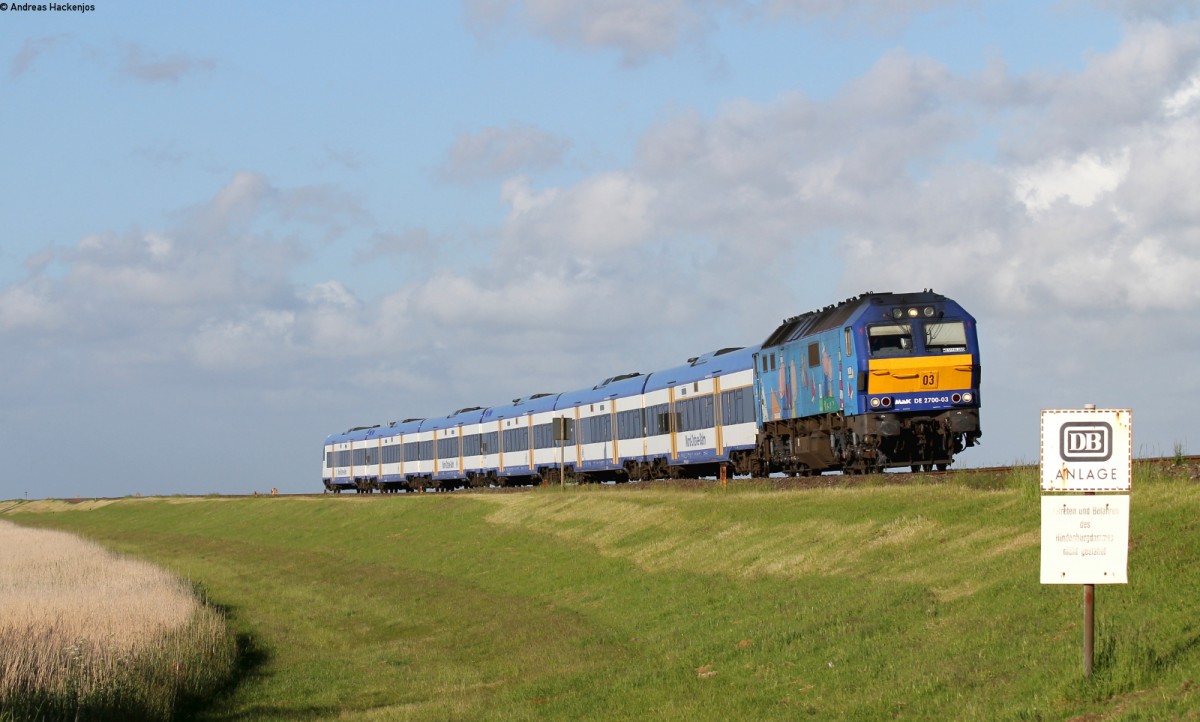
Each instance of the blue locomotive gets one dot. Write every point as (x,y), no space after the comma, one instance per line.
(879,381)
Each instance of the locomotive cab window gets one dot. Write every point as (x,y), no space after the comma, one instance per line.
(891,339)
(946,337)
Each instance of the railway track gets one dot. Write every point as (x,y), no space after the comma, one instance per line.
(990,476)
(1189,464)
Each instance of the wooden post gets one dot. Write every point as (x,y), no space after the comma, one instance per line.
(1089,607)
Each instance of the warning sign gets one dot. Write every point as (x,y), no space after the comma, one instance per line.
(1085,539)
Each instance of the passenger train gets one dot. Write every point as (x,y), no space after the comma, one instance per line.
(879,381)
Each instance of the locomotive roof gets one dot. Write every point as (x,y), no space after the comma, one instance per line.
(807,324)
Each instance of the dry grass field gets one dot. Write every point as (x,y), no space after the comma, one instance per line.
(85,633)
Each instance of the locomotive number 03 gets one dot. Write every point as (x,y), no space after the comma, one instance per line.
(929,379)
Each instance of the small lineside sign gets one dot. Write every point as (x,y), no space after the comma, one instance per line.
(1087,450)
(1085,539)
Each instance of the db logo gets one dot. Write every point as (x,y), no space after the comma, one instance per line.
(1085,441)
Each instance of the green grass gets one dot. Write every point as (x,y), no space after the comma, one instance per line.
(876,601)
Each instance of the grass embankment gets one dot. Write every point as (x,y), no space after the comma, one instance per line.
(872,602)
(88,635)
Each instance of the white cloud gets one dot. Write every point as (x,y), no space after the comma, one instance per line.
(637,29)
(1163,10)
(1082,212)
(498,152)
(1161,276)
(330,294)
(603,215)
(1118,94)
(141,64)
(640,30)
(1080,181)
(30,306)
(212,292)
(1183,100)
(30,51)
(879,13)
(257,340)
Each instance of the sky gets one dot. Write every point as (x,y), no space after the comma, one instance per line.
(228,230)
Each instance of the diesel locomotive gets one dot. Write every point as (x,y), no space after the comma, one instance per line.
(879,381)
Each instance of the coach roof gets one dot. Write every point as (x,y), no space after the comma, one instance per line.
(726,361)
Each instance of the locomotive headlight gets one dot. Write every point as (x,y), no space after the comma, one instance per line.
(928,311)
(968,397)
(912,313)
(897,313)
(875,403)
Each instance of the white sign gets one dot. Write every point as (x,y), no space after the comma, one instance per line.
(1088,450)
(1085,539)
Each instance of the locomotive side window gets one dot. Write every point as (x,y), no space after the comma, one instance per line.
(891,339)
(946,336)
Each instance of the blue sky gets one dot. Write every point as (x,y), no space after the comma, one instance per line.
(230,229)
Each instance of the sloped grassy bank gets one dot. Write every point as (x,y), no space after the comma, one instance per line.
(876,601)
(88,635)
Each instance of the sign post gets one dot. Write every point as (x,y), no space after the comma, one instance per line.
(1085,537)
(562,429)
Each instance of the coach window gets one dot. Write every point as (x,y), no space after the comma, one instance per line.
(891,340)
(946,337)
